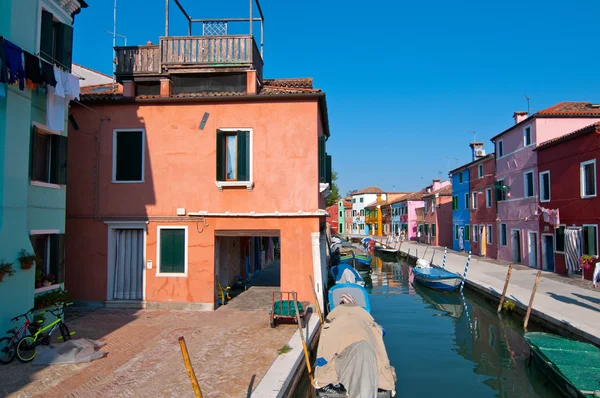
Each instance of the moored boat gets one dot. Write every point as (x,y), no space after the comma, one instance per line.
(572,366)
(437,278)
(349,293)
(351,357)
(344,273)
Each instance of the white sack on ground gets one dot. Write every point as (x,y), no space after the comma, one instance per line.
(72,351)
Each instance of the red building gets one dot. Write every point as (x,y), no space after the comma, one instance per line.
(437,217)
(482,176)
(569,183)
(333,218)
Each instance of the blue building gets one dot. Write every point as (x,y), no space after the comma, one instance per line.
(461,213)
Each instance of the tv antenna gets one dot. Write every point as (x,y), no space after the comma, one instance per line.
(528,108)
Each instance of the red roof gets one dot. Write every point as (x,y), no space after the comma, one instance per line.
(369,190)
(445,191)
(593,128)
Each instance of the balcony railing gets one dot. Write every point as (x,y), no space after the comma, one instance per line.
(188,53)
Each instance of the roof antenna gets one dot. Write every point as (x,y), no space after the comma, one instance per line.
(528,109)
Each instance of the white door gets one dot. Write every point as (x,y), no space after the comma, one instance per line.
(532,249)
(128,264)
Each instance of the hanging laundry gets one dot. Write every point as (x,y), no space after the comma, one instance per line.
(48,74)
(55,109)
(551,217)
(3,70)
(72,87)
(32,68)
(60,78)
(14,61)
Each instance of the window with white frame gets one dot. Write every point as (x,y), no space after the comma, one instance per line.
(426,206)
(488,197)
(489,234)
(545,186)
(128,155)
(48,157)
(49,249)
(503,237)
(529,187)
(467,200)
(588,178)
(527,136)
(474,204)
(234,155)
(590,239)
(480,171)
(475,233)
(172,250)
(500,148)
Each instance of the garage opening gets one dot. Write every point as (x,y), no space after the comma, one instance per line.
(246,260)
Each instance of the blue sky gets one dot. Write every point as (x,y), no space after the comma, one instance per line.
(407,83)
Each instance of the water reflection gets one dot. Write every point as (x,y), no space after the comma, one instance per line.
(437,353)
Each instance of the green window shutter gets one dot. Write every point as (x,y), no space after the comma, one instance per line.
(172,251)
(64,45)
(58,167)
(328,170)
(220,156)
(57,256)
(322,159)
(47,37)
(129,155)
(467,232)
(456,232)
(243,154)
(432,229)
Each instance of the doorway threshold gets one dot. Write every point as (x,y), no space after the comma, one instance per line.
(129,304)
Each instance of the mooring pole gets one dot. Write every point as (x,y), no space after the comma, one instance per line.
(304,347)
(462,285)
(188,366)
(432,256)
(510,267)
(444,260)
(537,280)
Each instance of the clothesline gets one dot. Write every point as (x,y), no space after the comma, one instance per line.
(38,55)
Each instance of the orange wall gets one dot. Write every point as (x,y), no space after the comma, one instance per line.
(180,163)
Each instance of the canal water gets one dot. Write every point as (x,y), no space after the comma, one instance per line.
(441,349)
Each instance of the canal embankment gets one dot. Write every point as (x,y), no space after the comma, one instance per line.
(559,305)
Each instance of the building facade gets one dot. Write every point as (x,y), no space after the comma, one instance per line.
(437,208)
(33,175)
(360,199)
(484,230)
(461,214)
(568,182)
(517,175)
(190,188)
(333,218)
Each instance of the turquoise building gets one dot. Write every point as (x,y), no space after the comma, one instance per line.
(32,156)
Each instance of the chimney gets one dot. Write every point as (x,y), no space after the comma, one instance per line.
(519,116)
(165,87)
(128,88)
(251,82)
(477,150)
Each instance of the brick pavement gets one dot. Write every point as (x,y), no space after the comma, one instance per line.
(231,350)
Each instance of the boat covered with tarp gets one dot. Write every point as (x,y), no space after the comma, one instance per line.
(572,366)
(437,278)
(345,273)
(348,293)
(352,360)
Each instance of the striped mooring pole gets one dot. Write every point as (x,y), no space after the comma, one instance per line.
(444,260)
(464,302)
(462,285)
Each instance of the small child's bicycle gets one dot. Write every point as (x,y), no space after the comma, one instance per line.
(26,345)
(8,344)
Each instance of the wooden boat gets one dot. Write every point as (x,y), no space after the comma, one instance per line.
(437,278)
(572,366)
(357,294)
(357,264)
(345,273)
(360,257)
(448,302)
(351,357)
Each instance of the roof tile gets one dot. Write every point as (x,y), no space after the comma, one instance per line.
(369,190)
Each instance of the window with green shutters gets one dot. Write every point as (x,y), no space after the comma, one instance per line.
(48,157)
(455,203)
(325,170)
(172,250)
(128,156)
(50,248)
(433,230)
(56,41)
(426,229)
(456,232)
(467,232)
(233,155)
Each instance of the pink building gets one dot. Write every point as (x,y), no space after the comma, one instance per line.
(517,175)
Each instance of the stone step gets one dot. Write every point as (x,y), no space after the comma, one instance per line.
(131,304)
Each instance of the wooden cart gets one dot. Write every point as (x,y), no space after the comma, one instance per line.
(283,309)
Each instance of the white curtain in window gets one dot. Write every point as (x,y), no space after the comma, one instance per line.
(129,264)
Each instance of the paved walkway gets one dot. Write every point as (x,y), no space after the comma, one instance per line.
(564,301)
(231,350)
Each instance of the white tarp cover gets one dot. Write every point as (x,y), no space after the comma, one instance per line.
(72,351)
(357,370)
(348,324)
(347,277)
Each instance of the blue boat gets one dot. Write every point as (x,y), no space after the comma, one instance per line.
(437,278)
(340,293)
(344,273)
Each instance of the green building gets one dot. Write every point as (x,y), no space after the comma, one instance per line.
(32,156)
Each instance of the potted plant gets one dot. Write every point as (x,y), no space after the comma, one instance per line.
(588,264)
(48,280)
(39,275)
(6,269)
(26,259)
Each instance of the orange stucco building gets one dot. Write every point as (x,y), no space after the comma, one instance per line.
(180,181)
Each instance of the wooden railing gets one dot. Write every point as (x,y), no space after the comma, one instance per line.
(182,50)
(138,59)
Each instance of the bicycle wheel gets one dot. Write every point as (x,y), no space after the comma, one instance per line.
(7,350)
(64,331)
(26,349)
